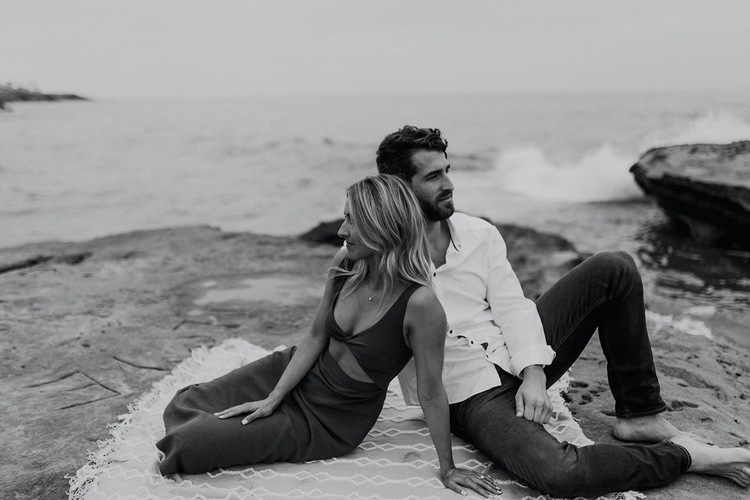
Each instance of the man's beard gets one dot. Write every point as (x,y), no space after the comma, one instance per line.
(434,212)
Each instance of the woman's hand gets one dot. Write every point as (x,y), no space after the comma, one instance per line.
(256,409)
(458,480)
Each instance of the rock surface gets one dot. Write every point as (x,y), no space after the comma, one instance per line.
(539,259)
(705,186)
(86,328)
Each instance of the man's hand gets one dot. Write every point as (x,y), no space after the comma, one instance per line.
(532,400)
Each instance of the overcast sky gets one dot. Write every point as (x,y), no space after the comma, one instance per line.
(191,48)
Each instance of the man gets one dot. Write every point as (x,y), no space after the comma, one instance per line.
(503,351)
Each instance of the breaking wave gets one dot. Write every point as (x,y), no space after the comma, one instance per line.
(602,173)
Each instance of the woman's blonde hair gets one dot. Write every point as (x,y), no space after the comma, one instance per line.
(389,221)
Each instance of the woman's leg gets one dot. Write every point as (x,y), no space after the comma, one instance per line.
(197,441)
(207,443)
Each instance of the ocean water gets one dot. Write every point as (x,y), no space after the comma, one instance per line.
(559,163)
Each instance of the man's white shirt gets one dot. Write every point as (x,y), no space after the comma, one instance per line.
(490,322)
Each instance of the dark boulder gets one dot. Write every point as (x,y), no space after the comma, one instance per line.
(539,259)
(703,186)
(325,232)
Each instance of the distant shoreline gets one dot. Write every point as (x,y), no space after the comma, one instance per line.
(10,93)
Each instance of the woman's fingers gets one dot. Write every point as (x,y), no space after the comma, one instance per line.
(234,411)
(457,488)
(487,480)
(484,485)
(229,412)
(254,415)
(256,409)
(461,479)
(260,412)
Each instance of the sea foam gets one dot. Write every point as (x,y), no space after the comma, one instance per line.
(602,173)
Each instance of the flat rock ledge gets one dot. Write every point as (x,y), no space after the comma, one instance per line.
(703,186)
(86,328)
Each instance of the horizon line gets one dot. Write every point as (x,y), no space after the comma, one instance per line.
(329,95)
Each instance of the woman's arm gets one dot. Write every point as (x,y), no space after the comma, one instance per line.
(425,326)
(304,358)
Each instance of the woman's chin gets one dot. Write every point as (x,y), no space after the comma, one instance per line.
(354,253)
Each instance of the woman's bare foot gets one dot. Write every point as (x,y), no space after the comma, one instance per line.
(651,428)
(731,463)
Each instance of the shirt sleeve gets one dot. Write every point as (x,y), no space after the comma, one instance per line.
(517,316)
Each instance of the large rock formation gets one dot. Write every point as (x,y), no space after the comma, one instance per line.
(539,259)
(87,327)
(705,186)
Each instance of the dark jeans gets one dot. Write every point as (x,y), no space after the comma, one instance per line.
(605,293)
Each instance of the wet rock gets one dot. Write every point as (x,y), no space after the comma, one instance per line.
(26,262)
(325,232)
(703,186)
(539,259)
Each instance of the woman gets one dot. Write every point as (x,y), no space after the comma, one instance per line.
(320,399)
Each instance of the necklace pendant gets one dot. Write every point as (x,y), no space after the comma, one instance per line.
(369,299)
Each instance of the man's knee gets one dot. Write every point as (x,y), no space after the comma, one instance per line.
(618,267)
(619,260)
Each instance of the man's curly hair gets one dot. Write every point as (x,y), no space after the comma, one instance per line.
(396,150)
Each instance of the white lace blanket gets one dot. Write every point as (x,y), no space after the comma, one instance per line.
(395,461)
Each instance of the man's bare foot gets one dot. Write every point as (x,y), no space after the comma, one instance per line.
(651,428)
(731,463)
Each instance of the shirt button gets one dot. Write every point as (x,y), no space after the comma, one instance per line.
(434,274)
(450,331)
(471,342)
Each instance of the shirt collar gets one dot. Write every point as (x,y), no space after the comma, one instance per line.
(456,242)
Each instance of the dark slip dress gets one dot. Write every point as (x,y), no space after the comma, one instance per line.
(326,415)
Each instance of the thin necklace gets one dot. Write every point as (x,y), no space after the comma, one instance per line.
(369,292)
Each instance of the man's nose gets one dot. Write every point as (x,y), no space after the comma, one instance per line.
(447,184)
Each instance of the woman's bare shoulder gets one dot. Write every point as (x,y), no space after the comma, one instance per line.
(424,302)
